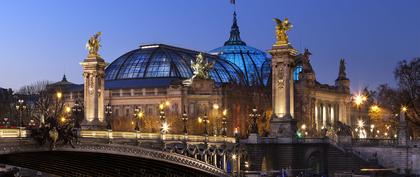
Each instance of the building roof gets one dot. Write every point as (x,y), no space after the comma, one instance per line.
(248,59)
(164,61)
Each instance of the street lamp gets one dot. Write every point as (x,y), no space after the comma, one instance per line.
(165,127)
(206,122)
(358,100)
(77,111)
(138,114)
(20,107)
(254,116)
(184,119)
(108,114)
(224,123)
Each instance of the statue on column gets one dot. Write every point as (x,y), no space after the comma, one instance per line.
(281,31)
(93,45)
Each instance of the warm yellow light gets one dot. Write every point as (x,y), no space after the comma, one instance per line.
(167,103)
(375,108)
(68,109)
(372,126)
(359,99)
(404,109)
(360,123)
(161,106)
(200,120)
(140,114)
(236,130)
(165,127)
(59,95)
(132,122)
(215,106)
(303,127)
(234,156)
(63,119)
(224,112)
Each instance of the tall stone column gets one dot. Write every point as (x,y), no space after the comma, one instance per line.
(282,123)
(94,86)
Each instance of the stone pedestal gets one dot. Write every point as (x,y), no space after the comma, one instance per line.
(284,127)
(94,90)
(253,138)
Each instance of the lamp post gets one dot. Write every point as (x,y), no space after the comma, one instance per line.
(108,114)
(254,117)
(237,153)
(358,100)
(184,119)
(138,114)
(224,123)
(20,107)
(206,122)
(77,112)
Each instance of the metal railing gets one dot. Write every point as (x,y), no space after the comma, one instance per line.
(374,142)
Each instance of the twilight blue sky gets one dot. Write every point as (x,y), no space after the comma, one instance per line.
(42,40)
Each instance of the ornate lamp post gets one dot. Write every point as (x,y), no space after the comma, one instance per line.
(77,112)
(165,127)
(254,117)
(20,107)
(358,100)
(138,114)
(184,119)
(224,123)
(108,114)
(206,122)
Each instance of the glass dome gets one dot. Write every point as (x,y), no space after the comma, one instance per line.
(163,61)
(247,58)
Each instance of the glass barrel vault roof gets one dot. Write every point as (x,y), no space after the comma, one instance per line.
(164,61)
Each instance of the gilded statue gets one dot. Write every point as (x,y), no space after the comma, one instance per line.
(93,45)
(281,31)
(201,67)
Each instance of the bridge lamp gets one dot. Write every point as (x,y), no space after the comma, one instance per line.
(200,120)
(360,123)
(161,106)
(167,103)
(63,119)
(165,127)
(234,156)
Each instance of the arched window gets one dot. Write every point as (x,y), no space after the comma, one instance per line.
(296,72)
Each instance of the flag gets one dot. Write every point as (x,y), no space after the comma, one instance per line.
(232,1)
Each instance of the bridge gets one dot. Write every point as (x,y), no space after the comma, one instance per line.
(111,153)
(107,153)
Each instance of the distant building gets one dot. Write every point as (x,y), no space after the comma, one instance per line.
(240,80)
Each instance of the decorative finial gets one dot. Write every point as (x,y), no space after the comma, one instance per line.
(342,71)
(201,67)
(281,31)
(93,45)
(235,38)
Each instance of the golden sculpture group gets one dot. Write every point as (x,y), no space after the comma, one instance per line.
(281,31)
(201,67)
(93,45)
